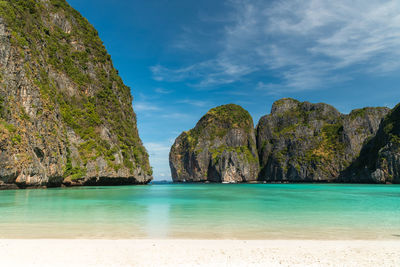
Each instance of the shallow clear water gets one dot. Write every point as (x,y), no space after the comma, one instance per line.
(218,211)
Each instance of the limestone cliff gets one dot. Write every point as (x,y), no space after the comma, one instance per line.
(220,148)
(305,142)
(66,117)
(379,160)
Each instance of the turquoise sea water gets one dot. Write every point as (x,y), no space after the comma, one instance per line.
(217,211)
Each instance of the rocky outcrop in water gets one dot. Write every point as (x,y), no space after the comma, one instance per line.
(379,160)
(220,148)
(66,117)
(305,142)
(297,142)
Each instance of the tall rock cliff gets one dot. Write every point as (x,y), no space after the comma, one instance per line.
(221,148)
(305,142)
(65,114)
(379,160)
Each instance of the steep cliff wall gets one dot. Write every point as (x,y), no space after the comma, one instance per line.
(379,160)
(305,142)
(221,148)
(65,114)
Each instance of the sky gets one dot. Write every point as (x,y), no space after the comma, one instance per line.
(183,57)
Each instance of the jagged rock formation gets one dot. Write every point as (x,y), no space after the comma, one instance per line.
(221,148)
(379,160)
(297,142)
(305,142)
(66,117)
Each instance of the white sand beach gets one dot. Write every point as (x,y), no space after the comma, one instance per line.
(76,252)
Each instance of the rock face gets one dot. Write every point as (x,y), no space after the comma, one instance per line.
(65,114)
(305,142)
(379,160)
(297,142)
(221,148)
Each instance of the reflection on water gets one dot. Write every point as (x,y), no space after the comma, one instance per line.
(157,223)
(301,211)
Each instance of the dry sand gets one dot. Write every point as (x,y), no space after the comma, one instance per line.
(76,252)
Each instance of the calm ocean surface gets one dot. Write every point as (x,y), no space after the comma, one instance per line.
(216,211)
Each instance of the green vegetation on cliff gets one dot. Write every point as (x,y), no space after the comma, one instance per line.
(379,159)
(217,122)
(392,125)
(297,142)
(362,112)
(63,56)
(303,141)
(388,135)
(297,118)
(221,147)
(243,152)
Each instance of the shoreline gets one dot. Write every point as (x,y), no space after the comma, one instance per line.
(10,187)
(14,186)
(183,252)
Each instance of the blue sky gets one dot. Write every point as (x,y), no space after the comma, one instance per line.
(183,57)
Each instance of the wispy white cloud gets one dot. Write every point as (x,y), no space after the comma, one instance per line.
(157,148)
(337,34)
(145,106)
(176,115)
(161,73)
(194,39)
(192,102)
(163,91)
(159,158)
(303,44)
(210,73)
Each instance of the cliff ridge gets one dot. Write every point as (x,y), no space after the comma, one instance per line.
(66,116)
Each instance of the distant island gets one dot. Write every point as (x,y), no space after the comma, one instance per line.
(297,142)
